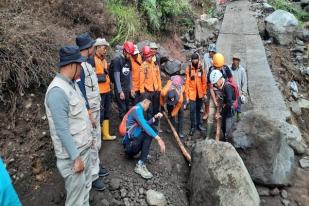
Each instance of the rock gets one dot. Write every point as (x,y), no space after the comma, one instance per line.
(123,193)
(104,202)
(275,191)
(298,147)
(304,3)
(282,25)
(303,34)
(155,198)
(285,202)
(263,191)
(303,103)
(304,162)
(219,177)
(171,67)
(284,194)
(114,184)
(189,45)
(262,144)
(300,49)
(268,8)
(141,191)
(300,42)
(204,28)
(295,108)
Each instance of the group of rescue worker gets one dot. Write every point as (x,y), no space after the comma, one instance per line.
(79,100)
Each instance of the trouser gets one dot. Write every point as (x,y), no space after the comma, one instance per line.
(227,124)
(95,149)
(139,144)
(123,105)
(211,119)
(154,97)
(238,110)
(106,101)
(173,119)
(195,114)
(77,185)
(137,98)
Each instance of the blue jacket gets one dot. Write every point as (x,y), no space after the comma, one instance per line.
(8,196)
(136,124)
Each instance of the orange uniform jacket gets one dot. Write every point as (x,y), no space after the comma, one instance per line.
(164,91)
(150,78)
(136,65)
(195,88)
(100,66)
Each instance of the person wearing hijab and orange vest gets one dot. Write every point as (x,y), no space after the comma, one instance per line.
(150,81)
(195,90)
(172,96)
(101,46)
(136,61)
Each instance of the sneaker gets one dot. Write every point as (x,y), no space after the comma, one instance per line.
(103,171)
(98,185)
(143,171)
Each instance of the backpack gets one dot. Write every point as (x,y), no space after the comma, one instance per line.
(123,125)
(236,93)
(112,67)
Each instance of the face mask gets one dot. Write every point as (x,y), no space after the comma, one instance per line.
(195,65)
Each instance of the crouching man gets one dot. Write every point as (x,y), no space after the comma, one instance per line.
(138,135)
(70,127)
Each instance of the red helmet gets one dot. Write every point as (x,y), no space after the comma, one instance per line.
(128,47)
(147,52)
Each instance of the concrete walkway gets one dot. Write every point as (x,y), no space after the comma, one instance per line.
(239,34)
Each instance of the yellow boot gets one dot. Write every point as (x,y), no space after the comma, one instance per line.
(105,131)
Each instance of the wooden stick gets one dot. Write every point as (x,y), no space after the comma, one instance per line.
(181,146)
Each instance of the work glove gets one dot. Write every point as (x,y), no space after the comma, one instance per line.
(243,99)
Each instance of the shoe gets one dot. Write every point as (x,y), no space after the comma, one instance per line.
(105,131)
(200,128)
(98,185)
(192,131)
(103,172)
(142,170)
(181,135)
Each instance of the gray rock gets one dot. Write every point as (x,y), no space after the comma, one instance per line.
(285,202)
(263,191)
(304,162)
(275,191)
(171,67)
(303,34)
(155,198)
(123,193)
(303,103)
(282,25)
(284,194)
(268,8)
(264,149)
(219,177)
(298,147)
(114,184)
(295,108)
(104,202)
(204,28)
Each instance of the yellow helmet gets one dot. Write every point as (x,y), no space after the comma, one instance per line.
(218,60)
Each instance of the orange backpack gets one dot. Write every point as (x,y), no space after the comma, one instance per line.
(123,125)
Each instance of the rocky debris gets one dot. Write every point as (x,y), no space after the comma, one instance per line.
(282,25)
(275,191)
(262,144)
(263,191)
(171,67)
(303,34)
(304,162)
(284,194)
(219,177)
(114,184)
(155,198)
(298,147)
(268,8)
(204,28)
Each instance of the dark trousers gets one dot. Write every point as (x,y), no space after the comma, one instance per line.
(173,119)
(195,112)
(139,144)
(154,97)
(123,105)
(106,100)
(227,124)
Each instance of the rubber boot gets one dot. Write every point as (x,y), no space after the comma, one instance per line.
(180,127)
(205,117)
(105,129)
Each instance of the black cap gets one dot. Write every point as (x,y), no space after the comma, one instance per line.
(195,56)
(69,54)
(84,41)
(172,97)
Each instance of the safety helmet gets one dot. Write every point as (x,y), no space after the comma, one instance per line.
(212,48)
(215,75)
(218,60)
(147,52)
(128,47)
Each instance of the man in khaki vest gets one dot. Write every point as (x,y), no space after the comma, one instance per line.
(70,127)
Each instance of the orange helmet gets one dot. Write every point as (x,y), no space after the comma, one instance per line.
(218,60)
(147,52)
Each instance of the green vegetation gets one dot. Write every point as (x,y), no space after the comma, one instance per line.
(300,14)
(153,16)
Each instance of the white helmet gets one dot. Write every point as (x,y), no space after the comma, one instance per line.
(215,75)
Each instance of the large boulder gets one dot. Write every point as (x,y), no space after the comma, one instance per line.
(171,67)
(204,28)
(219,177)
(281,25)
(262,144)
